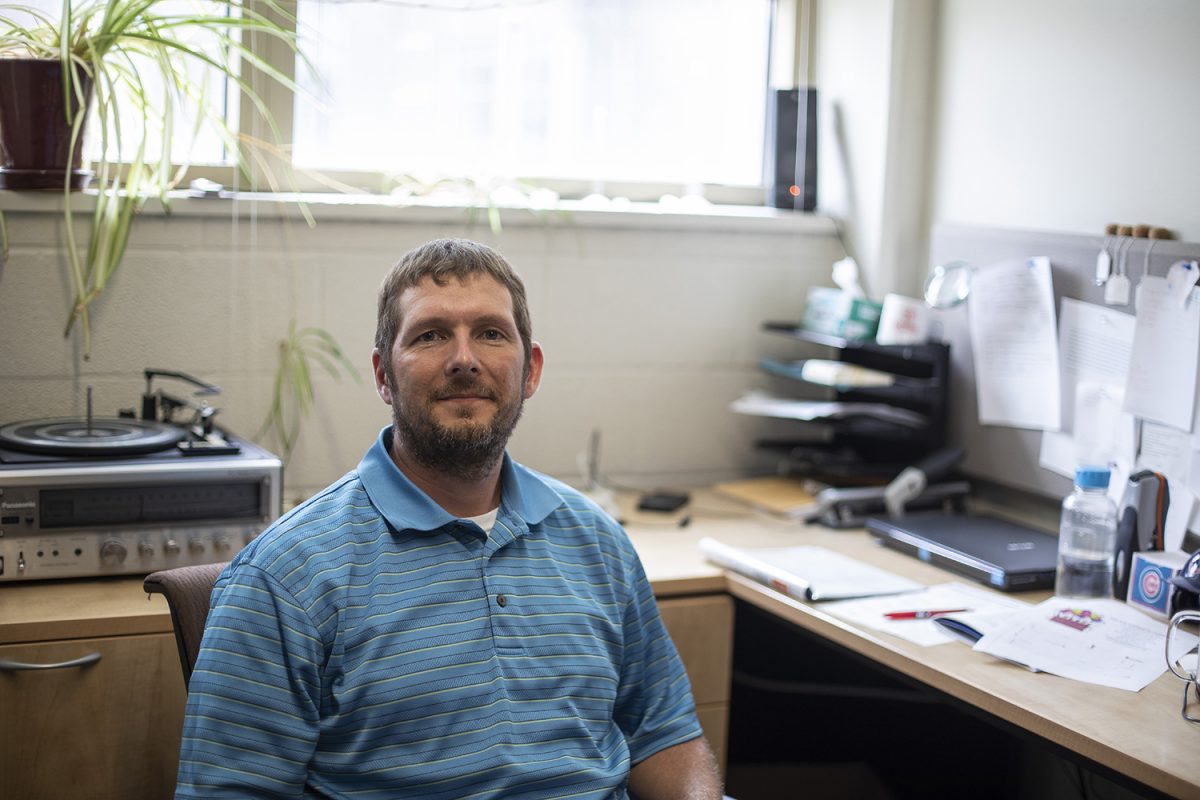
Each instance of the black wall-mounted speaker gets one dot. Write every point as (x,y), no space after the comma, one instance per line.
(791,157)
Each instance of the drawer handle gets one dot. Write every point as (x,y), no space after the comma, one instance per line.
(82,661)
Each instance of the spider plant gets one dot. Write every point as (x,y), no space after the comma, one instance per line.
(141,59)
(292,395)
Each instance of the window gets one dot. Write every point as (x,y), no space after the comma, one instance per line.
(577,94)
(600,90)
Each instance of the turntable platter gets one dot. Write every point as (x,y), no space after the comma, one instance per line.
(102,436)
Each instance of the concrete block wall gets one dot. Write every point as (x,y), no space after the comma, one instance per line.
(651,324)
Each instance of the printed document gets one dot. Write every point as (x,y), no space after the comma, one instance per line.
(1014,344)
(1095,641)
(1094,346)
(968,602)
(1167,450)
(1103,434)
(1166,342)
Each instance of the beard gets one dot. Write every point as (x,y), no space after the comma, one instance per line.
(469,449)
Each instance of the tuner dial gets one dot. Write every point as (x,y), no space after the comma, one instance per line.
(171,547)
(222,545)
(196,546)
(145,549)
(112,553)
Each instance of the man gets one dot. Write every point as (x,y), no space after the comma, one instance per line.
(442,622)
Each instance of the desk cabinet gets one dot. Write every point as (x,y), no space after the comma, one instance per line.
(112,729)
(106,730)
(702,629)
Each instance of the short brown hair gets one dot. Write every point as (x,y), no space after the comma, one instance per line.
(441,260)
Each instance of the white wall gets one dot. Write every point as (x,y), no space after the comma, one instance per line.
(852,55)
(873,67)
(651,325)
(1059,115)
(1068,115)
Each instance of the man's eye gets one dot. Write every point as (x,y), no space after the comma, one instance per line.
(428,336)
(493,334)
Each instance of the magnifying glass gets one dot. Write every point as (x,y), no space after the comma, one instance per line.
(948,284)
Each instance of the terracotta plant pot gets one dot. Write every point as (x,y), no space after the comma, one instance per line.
(35,137)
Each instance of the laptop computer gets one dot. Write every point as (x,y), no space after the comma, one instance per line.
(1002,554)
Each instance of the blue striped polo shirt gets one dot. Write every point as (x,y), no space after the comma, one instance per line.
(371,645)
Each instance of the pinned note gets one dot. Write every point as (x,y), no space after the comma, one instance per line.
(1014,344)
(1181,278)
(1162,368)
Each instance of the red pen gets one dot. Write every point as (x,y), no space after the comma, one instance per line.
(923,614)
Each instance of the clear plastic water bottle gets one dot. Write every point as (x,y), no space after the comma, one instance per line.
(1087,537)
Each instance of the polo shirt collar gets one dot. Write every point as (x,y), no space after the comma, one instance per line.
(523,494)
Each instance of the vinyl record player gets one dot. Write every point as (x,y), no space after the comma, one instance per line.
(130,494)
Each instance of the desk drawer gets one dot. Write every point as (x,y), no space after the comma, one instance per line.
(109,729)
(702,629)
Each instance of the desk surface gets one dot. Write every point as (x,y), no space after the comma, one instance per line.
(1139,734)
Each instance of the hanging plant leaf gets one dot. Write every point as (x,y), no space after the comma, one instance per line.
(293,394)
(113,47)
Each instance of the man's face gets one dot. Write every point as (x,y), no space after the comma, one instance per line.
(456,379)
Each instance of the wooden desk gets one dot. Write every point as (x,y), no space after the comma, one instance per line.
(1138,734)
(90,719)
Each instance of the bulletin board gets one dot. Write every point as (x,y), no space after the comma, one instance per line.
(1000,454)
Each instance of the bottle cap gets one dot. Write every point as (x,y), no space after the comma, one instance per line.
(1092,477)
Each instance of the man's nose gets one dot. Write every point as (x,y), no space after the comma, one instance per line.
(462,356)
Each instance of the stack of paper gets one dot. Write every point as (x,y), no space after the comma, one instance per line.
(764,405)
(1096,641)
(968,605)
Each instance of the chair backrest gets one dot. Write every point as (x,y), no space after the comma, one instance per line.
(187,590)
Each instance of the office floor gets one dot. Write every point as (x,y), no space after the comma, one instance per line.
(810,721)
(833,781)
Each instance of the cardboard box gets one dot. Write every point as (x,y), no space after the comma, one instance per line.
(835,313)
(1150,586)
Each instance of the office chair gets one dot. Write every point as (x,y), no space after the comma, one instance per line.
(187,590)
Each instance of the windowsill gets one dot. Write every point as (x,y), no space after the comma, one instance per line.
(679,215)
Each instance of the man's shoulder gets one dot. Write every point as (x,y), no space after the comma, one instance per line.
(316,525)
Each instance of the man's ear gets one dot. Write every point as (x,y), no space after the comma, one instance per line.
(381,384)
(534,377)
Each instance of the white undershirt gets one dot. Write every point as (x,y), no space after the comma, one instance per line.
(485,521)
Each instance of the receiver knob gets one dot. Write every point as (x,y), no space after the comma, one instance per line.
(223,544)
(112,553)
(145,549)
(196,545)
(171,547)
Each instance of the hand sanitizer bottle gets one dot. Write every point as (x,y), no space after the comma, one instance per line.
(1087,537)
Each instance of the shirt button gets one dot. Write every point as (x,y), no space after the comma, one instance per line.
(501,600)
